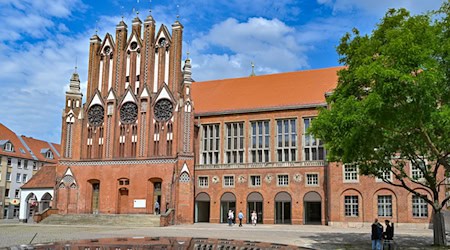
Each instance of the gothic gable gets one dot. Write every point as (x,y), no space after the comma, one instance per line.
(134,38)
(108,41)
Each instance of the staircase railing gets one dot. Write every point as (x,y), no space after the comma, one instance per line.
(168,218)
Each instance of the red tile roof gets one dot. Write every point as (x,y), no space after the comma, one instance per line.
(44,178)
(38,146)
(20,151)
(266,92)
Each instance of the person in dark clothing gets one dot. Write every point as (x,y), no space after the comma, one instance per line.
(388,234)
(377,232)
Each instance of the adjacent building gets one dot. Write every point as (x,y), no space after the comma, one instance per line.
(148,133)
(20,158)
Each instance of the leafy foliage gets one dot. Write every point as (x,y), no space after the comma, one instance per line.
(392,102)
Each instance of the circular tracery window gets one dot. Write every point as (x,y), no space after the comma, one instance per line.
(163,110)
(95,115)
(128,112)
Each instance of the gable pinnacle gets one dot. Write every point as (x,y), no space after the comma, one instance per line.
(253,70)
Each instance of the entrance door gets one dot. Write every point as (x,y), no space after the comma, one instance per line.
(227,202)
(157,195)
(282,208)
(95,197)
(313,208)
(202,205)
(123,201)
(255,203)
(313,213)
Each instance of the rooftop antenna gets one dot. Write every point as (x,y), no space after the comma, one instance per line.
(178,12)
(96,27)
(121,8)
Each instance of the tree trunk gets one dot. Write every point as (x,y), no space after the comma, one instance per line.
(439,229)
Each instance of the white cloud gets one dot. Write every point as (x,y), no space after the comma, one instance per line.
(379,7)
(270,44)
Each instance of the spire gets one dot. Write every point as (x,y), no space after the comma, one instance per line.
(74,86)
(187,72)
(253,70)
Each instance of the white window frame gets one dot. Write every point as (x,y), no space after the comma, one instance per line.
(419,207)
(8,176)
(9,147)
(351,206)
(311,146)
(226,181)
(234,142)
(313,180)
(282,180)
(210,144)
(387,173)
(18,177)
(289,152)
(350,175)
(35,165)
(416,173)
(384,205)
(256,177)
(49,155)
(17,193)
(201,181)
(19,163)
(259,141)
(24,178)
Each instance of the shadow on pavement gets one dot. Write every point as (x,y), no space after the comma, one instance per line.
(363,241)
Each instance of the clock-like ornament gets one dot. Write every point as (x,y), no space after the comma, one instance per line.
(163,110)
(96,115)
(128,112)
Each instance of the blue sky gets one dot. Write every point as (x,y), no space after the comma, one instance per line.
(41,41)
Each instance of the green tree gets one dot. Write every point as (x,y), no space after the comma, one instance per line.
(392,105)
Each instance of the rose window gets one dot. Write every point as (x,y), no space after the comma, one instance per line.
(95,115)
(128,113)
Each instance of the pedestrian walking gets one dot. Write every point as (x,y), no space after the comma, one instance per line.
(230,217)
(377,232)
(240,216)
(388,235)
(156,207)
(254,218)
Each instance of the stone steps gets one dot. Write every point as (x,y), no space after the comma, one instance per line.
(138,220)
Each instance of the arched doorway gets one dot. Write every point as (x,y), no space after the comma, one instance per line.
(123,201)
(227,202)
(283,208)
(32,207)
(45,201)
(202,207)
(95,196)
(255,203)
(155,195)
(313,208)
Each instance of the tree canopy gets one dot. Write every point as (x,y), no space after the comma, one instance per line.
(391,106)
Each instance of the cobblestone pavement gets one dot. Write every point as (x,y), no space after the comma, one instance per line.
(315,237)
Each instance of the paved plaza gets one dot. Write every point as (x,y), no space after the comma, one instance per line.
(314,237)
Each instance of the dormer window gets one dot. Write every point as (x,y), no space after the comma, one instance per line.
(9,147)
(49,155)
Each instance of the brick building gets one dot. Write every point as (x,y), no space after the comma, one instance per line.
(147,132)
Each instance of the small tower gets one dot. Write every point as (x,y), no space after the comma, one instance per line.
(71,113)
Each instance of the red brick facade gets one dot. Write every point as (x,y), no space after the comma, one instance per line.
(148,133)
